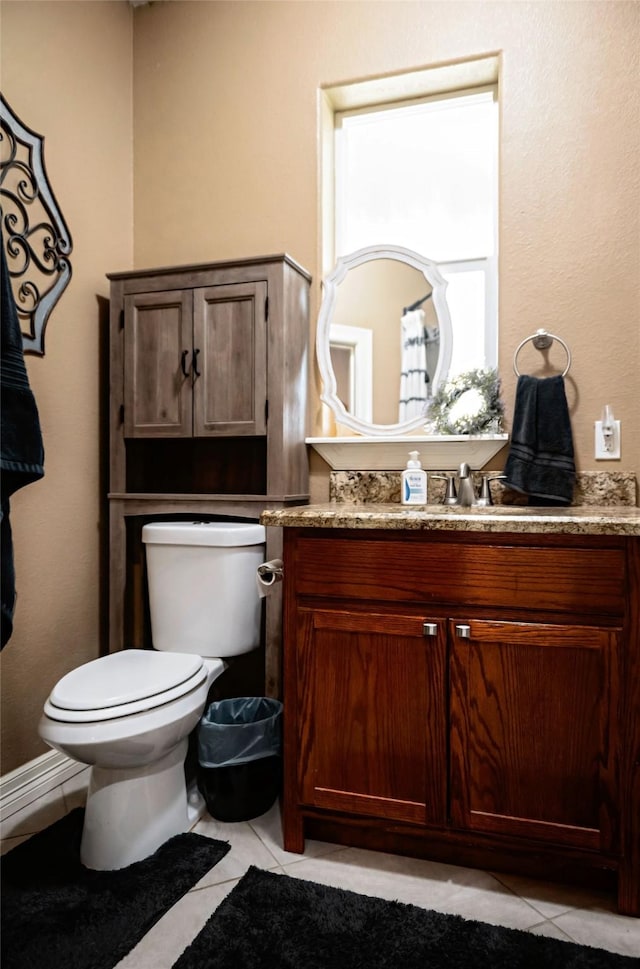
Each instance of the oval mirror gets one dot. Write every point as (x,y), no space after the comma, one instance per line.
(384,339)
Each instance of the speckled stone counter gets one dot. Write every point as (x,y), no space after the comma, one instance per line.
(574,520)
(592,488)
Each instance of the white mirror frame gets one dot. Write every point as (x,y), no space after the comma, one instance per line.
(438,286)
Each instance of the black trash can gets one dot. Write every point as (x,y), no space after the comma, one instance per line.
(239,757)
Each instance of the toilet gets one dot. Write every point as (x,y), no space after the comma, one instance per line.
(129,714)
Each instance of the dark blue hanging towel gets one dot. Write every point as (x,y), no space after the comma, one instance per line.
(540,462)
(21,450)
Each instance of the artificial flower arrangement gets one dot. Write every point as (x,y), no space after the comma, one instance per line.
(469,403)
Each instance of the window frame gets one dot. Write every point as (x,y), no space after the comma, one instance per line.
(468,76)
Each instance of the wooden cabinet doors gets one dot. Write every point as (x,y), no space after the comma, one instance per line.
(157,383)
(533,731)
(371,719)
(230,360)
(195,362)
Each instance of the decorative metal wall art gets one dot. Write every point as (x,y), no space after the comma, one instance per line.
(35,236)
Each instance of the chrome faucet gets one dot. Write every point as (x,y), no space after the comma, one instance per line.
(466,492)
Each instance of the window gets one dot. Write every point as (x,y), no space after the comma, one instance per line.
(423,174)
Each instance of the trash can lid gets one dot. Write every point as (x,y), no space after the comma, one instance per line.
(219,534)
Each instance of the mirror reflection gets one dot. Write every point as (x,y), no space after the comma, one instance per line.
(384,339)
(384,325)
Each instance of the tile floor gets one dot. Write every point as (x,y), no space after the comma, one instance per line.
(559,911)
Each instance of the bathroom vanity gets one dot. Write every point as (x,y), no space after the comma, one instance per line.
(464,685)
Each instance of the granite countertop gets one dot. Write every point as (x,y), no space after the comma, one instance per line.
(572,520)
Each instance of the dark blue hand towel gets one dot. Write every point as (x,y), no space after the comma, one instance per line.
(21,450)
(540,462)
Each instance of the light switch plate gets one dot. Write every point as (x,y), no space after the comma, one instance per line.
(600,453)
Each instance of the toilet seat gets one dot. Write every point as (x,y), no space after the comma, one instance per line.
(122,684)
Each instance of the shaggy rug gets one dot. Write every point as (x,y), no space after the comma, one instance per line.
(271,921)
(57,914)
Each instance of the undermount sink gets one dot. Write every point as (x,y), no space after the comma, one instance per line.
(443,452)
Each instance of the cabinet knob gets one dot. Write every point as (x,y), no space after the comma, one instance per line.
(194,364)
(463,632)
(183,363)
(429,628)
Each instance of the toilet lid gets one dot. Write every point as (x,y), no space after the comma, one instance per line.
(145,705)
(126,678)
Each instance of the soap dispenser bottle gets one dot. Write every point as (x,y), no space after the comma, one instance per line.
(414,482)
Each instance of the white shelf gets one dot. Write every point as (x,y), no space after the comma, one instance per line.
(437,452)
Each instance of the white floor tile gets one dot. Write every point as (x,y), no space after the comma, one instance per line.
(552,899)
(550,930)
(268,827)
(585,916)
(169,937)
(443,888)
(602,929)
(246,849)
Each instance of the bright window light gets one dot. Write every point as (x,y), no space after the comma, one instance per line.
(423,175)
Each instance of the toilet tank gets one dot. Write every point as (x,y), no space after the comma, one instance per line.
(203,594)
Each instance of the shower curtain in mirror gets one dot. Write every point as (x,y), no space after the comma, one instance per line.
(414,376)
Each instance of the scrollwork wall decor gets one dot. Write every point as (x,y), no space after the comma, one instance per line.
(35,236)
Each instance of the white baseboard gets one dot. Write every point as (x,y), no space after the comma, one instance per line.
(33,780)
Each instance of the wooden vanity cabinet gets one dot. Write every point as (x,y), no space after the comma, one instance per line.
(372,713)
(533,730)
(464,697)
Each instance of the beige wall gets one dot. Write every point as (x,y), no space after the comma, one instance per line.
(226,102)
(66,72)
(225,108)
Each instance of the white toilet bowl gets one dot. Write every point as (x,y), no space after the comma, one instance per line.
(137,796)
(129,714)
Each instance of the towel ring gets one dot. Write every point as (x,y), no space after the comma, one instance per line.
(542,341)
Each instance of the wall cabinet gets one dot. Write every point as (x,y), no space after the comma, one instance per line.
(195,361)
(208,371)
(465,700)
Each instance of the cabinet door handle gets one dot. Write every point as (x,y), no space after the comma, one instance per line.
(194,363)
(183,363)
(463,632)
(429,628)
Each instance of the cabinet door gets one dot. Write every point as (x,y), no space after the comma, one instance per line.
(158,342)
(372,728)
(533,731)
(230,370)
